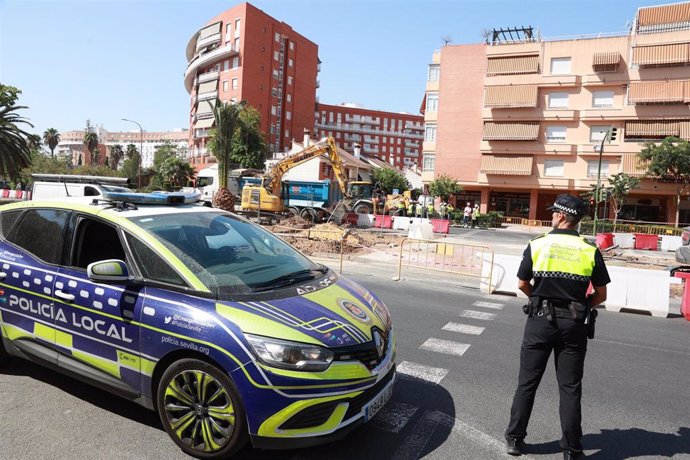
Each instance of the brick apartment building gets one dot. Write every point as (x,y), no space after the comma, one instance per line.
(395,138)
(518,121)
(245,54)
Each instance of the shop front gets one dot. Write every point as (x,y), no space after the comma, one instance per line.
(510,204)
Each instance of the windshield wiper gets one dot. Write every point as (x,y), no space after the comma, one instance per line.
(287,280)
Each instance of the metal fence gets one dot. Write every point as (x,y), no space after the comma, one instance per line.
(456,258)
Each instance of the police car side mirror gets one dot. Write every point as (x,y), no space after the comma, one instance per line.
(108,271)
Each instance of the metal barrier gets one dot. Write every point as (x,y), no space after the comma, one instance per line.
(457,258)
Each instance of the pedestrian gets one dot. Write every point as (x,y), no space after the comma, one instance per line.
(450,210)
(475,215)
(560,319)
(466,215)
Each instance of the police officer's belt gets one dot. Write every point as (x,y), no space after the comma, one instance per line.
(560,309)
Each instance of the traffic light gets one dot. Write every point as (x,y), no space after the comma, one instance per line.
(614,133)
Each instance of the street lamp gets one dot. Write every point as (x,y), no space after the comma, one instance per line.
(141,148)
(609,136)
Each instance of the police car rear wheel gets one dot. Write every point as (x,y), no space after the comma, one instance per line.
(201,410)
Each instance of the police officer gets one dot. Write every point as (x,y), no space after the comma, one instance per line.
(562,264)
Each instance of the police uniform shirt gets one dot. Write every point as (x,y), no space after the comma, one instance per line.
(562,285)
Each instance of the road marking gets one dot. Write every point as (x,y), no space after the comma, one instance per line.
(495,306)
(414,444)
(421,372)
(471,433)
(463,328)
(477,315)
(445,346)
(394,416)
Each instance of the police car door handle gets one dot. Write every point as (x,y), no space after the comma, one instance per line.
(65,296)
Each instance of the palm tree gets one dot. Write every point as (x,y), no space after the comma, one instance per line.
(15,151)
(227,120)
(51,138)
(116,154)
(91,142)
(132,151)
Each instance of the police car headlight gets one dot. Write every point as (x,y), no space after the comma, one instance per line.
(290,355)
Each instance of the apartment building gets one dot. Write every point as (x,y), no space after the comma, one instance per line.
(395,138)
(72,143)
(245,54)
(519,119)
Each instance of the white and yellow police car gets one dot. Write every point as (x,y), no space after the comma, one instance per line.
(225,330)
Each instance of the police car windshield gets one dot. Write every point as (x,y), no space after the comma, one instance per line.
(229,255)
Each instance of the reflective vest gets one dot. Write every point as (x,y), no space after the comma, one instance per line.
(562,256)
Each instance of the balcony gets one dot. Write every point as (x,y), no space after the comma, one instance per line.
(203,60)
(207,41)
(208,76)
(411,144)
(208,95)
(199,133)
(201,116)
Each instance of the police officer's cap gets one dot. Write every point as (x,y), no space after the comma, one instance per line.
(569,204)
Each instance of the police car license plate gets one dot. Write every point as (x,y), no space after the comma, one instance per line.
(378,402)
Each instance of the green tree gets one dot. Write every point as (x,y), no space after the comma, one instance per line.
(620,185)
(248,143)
(51,138)
(42,164)
(91,141)
(389,179)
(130,168)
(669,159)
(15,151)
(116,154)
(176,172)
(444,186)
(227,121)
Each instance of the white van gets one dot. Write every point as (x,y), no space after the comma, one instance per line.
(61,186)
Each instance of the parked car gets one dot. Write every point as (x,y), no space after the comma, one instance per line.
(225,330)
(683,252)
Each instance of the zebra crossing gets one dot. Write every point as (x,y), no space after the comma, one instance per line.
(395,415)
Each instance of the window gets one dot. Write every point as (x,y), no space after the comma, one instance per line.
(428,162)
(225,85)
(237,27)
(226,64)
(292,45)
(42,233)
(236,45)
(235,62)
(152,266)
(289,80)
(602,99)
(430,133)
(432,102)
(289,99)
(434,72)
(560,66)
(553,168)
(228,28)
(593,168)
(234,83)
(555,133)
(273,110)
(275,73)
(96,241)
(287,133)
(597,133)
(7,220)
(288,115)
(290,62)
(273,127)
(276,55)
(558,100)
(277,37)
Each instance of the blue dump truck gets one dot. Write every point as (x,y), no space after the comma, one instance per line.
(312,200)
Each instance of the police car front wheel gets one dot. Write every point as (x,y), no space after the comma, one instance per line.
(201,410)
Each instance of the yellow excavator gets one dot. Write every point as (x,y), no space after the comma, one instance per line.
(271,196)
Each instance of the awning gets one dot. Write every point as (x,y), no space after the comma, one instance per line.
(205,107)
(506,165)
(655,128)
(633,166)
(676,53)
(667,14)
(608,58)
(511,96)
(210,30)
(422,108)
(684,130)
(511,131)
(512,65)
(204,123)
(656,92)
(207,87)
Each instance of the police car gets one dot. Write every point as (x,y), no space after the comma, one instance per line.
(229,333)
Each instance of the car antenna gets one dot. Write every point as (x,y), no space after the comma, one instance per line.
(64,182)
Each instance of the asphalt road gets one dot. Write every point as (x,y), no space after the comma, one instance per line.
(458,361)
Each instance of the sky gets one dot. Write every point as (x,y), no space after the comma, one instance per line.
(104,60)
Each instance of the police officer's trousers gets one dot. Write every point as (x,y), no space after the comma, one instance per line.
(568,340)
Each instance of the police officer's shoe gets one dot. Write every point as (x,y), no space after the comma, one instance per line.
(514,446)
(573,455)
